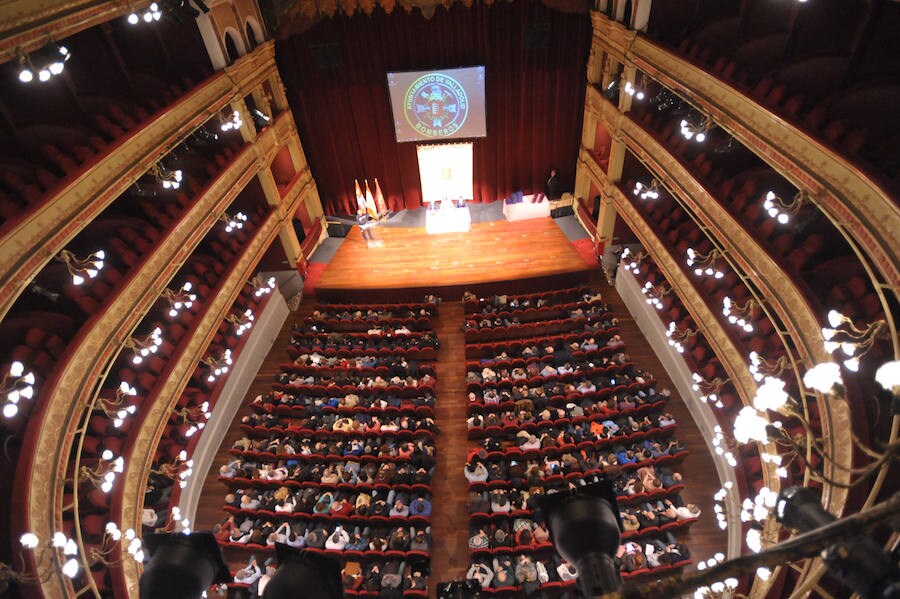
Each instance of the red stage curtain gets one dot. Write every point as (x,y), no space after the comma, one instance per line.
(335,75)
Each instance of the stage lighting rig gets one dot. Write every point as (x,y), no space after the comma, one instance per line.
(304,574)
(860,564)
(584,526)
(181,566)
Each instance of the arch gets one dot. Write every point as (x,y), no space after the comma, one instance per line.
(234,44)
(254,33)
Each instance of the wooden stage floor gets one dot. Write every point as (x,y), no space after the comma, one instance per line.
(404,264)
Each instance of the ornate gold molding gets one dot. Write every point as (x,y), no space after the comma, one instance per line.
(157,415)
(41,471)
(734,362)
(847,195)
(28,24)
(27,248)
(774,284)
(732,359)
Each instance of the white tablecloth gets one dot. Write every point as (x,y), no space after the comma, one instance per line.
(526,209)
(447,219)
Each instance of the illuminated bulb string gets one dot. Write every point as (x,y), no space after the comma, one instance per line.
(646,192)
(233,121)
(153,13)
(704,264)
(55,57)
(16,385)
(738,314)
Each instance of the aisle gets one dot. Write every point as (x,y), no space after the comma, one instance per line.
(450,520)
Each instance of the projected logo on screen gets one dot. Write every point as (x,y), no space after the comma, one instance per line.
(436,105)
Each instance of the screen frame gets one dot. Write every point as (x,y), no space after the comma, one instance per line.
(436,140)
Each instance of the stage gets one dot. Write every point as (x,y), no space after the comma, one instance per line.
(405,263)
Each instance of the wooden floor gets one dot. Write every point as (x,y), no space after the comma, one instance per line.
(449,518)
(532,251)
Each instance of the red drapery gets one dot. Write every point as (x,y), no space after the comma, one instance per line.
(535,58)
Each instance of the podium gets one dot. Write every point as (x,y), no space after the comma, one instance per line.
(447,218)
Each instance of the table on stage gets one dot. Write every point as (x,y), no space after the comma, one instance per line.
(527,209)
(448,218)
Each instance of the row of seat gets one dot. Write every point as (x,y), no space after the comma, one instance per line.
(476,305)
(498,351)
(530,314)
(321,416)
(537,328)
(809,94)
(550,465)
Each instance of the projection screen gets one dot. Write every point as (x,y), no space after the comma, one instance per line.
(437,105)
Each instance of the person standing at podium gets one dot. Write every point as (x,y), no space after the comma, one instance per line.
(363,220)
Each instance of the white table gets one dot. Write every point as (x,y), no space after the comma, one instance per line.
(527,209)
(447,219)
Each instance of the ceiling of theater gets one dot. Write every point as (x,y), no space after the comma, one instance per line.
(290,17)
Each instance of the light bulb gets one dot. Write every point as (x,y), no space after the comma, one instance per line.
(888,375)
(835,318)
(44,75)
(70,568)
(26,76)
(133,19)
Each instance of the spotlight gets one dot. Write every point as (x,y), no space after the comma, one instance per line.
(859,563)
(584,526)
(303,573)
(181,566)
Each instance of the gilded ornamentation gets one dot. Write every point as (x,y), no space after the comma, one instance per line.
(25,250)
(843,192)
(157,415)
(89,360)
(787,300)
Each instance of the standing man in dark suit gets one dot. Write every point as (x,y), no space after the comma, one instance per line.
(552,186)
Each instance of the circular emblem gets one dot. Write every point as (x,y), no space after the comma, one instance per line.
(436,105)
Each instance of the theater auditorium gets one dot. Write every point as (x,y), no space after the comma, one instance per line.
(369,298)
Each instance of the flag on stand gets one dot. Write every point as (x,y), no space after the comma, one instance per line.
(360,200)
(370,203)
(379,199)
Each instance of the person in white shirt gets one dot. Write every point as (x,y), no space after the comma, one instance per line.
(478,473)
(687,512)
(566,572)
(338,539)
(250,574)
(482,573)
